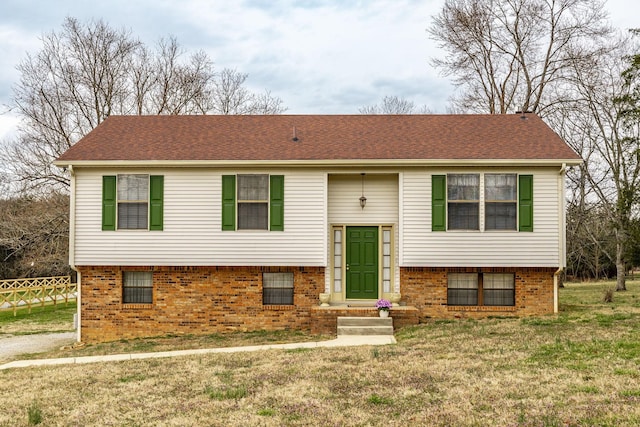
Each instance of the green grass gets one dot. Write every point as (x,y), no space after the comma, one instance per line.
(580,367)
(50,318)
(227,393)
(34,413)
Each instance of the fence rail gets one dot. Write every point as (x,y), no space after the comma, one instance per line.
(16,293)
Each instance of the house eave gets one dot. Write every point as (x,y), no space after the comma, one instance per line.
(318,163)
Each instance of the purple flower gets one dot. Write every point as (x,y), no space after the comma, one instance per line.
(383,304)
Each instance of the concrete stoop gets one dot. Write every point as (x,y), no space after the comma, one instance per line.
(365,326)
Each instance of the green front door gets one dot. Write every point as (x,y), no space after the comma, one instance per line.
(362,262)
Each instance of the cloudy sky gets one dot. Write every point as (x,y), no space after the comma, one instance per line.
(319,56)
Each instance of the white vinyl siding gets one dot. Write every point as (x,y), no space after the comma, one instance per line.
(382,208)
(488,248)
(381,192)
(193,233)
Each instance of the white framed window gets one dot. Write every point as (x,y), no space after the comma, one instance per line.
(463,201)
(337,260)
(277,288)
(386,259)
(133,201)
(137,287)
(500,201)
(253,202)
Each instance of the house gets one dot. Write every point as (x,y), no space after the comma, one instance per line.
(200,224)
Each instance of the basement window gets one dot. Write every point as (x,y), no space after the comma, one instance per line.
(277,288)
(137,287)
(486,289)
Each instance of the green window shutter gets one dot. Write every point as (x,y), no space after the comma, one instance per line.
(438,203)
(276,203)
(108,203)
(228,202)
(525,202)
(156,202)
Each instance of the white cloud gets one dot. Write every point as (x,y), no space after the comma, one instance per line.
(313,56)
(319,56)
(8,124)
(15,42)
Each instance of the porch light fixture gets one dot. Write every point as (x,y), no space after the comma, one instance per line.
(363,200)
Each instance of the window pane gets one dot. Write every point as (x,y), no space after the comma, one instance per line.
(462,297)
(253,216)
(498,289)
(277,280)
(337,260)
(500,216)
(463,216)
(498,281)
(132,216)
(500,187)
(277,288)
(462,289)
(133,187)
(499,297)
(463,187)
(463,280)
(253,187)
(137,287)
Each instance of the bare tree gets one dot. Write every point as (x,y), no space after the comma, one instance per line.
(508,55)
(230,96)
(86,72)
(394,105)
(34,233)
(602,101)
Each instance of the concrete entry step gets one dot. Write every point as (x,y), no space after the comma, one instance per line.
(364,321)
(365,326)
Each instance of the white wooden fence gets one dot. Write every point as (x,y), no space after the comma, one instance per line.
(16,293)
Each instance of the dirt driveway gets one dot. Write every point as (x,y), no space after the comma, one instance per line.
(12,346)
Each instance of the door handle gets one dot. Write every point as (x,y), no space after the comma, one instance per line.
(347,267)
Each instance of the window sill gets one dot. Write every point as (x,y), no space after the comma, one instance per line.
(278,307)
(489,308)
(129,306)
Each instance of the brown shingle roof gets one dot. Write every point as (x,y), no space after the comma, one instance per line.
(320,137)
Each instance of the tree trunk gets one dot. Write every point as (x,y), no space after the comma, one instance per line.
(620,268)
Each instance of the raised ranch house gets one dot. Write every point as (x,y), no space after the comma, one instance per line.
(200,224)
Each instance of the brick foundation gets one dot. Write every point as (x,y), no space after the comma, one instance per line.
(192,300)
(205,300)
(426,289)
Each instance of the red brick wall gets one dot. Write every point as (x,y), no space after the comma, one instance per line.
(426,289)
(192,300)
(204,300)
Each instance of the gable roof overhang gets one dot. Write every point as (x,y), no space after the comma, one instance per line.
(320,141)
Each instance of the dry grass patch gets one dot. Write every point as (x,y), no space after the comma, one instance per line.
(579,368)
(181,342)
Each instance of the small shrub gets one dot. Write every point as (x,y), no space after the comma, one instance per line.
(607,296)
(234,393)
(34,413)
(375,399)
(630,393)
(266,412)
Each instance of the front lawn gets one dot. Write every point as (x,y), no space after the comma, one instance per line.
(578,368)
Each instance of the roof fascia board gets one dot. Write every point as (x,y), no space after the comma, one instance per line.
(316,163)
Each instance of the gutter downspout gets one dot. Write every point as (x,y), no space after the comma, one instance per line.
(72,249)
(562,241)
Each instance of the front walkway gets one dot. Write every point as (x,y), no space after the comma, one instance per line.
(341,341)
